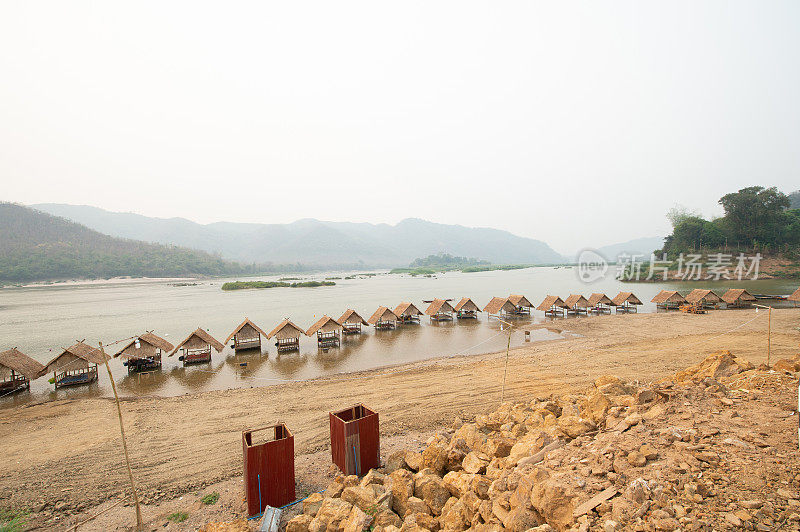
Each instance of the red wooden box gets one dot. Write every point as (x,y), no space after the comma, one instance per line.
(268,466)
(355,440)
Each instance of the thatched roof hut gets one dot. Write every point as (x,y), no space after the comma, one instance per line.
(551,302)
(17,370)
(795,296)
(440,310)
(466,304)
(246,336)
(351,322)
(328,332)
(738,298)
(383,318)
(407,312)
(624,299)
(325,324)
(703,296)
(521,303)
(576,301)
(287,336)
(599,299)
(668,299)
(500,305)
(147,345)
(351,316)
(77,364)
(199,340)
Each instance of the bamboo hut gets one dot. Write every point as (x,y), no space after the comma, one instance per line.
(75,365)
(351,322)
(287,336)
(794,297)
(500,306)
(196,348)
(17,370)
(626,302)
(668,300)
(328,331)
(577,304)
(738,298)
(523,306)
(407,313)
(383,319)
(600,303)
(440,310)
(466,309)
(246,336)
(143,353)
(704,298)
(553,306)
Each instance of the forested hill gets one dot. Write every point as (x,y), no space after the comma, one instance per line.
(35,246)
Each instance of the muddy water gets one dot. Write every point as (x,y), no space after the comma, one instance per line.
(40,320)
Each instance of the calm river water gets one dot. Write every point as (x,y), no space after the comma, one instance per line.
(40,320)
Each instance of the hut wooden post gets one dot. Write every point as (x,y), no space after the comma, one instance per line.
(124,444)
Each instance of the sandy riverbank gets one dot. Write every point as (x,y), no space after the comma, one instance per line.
(69,451)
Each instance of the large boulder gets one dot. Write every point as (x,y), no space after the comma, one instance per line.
(528,445)
(312,504)
(413,460)
(299,523)
(475,462)
(455,454)
(361,496)
(330,516)
(552,498)
(395,461)
(716,366)
(435,457)
(574,426)
(470,433)
(498,446)
(595,407)
(402,490)
(521,519)
(433,491)
(387,518)
(357,521)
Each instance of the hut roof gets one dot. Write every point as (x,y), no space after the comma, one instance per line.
(78,350)
(323,322)
(520,301)
(576,300)
(282,330)
(551,301)
(407,309)
(699,294)
(622,297)
(668,296)
(241,325)
(795,296)
(148,338)
(466,304)
(21,363)
(204,336)
(351,316)
(737,294)
(380,314)
(437,306)
(599,299)
(499,303)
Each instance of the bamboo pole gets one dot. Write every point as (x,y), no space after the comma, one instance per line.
(124,444)
(505,371)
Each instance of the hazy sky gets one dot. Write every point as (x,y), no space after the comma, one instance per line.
(576,123)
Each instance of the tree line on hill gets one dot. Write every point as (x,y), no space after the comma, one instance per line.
(35,246)
(756,218)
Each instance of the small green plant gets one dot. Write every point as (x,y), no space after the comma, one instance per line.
(211,498)
(178,517)
(12,521)
(372,510)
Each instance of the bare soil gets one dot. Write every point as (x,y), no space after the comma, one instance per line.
(62,460)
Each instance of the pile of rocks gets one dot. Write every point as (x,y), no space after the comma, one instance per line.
(663,456)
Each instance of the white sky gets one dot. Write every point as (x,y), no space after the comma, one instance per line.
(576,123)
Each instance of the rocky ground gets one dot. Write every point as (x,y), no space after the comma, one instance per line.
(713,448)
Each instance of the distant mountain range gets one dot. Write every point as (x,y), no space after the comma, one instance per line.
(36,246)
(640,246)
(313,242)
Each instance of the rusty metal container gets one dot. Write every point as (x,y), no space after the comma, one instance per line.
(268,467)
(355,440)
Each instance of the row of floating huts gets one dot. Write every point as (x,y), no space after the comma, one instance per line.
(78,364)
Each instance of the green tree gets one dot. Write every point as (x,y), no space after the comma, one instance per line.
(755,213)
